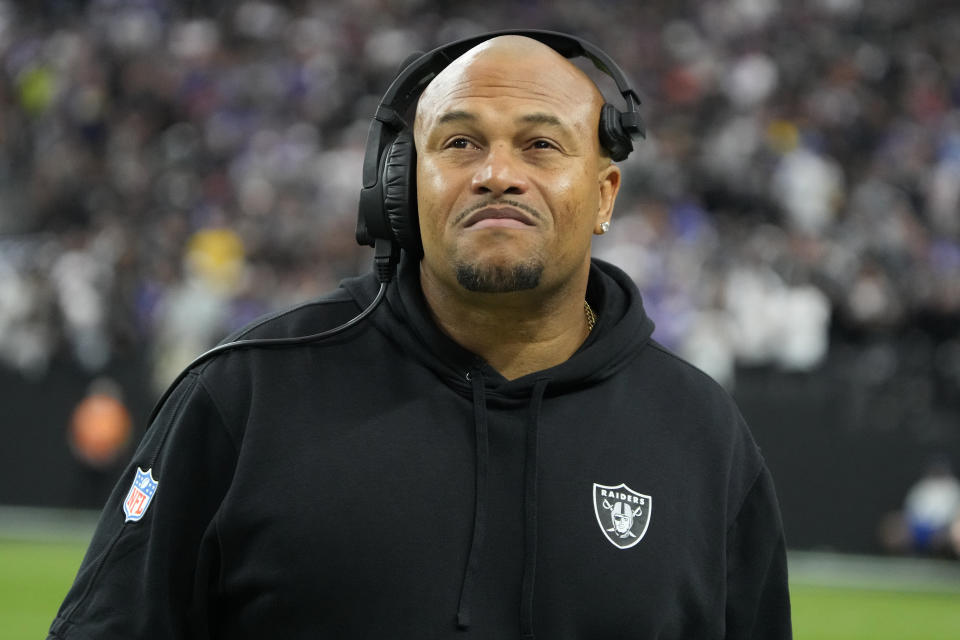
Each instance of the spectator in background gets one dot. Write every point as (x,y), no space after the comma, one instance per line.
(99,434)
(930,519)
(196,312)
(100,427)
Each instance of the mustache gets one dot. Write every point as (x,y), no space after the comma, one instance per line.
(497,202)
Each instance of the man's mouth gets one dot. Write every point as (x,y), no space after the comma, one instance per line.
(502,217)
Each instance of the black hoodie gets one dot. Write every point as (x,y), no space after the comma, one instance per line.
(387,483)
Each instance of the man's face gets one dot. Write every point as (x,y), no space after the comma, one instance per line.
(510,181)
(622,523)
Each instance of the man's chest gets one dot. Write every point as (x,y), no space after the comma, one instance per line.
(340,512)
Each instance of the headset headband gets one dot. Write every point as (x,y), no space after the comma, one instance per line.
(411,80)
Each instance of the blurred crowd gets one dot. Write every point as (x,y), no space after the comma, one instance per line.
(171,170)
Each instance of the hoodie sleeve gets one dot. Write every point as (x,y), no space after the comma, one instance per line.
(758,599)
(153,555)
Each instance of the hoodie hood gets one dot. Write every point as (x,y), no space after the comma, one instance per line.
(622,328)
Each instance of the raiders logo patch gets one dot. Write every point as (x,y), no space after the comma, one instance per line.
(140,494)
(622,513)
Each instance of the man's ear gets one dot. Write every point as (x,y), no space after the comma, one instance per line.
(609,179)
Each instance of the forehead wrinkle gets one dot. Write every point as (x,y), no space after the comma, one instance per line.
(457,115)
(533,118)
(514,87)
(429,108)
(540,118)
(552,121)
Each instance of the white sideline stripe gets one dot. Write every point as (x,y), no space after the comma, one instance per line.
(47,525)
(849,571)
(807,568)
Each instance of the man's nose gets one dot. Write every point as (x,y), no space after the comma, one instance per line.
(500,173)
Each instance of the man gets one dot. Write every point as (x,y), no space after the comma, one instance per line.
(498,451)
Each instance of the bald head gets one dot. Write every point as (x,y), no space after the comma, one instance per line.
(517,67)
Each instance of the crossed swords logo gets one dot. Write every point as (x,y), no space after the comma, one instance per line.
(623,514)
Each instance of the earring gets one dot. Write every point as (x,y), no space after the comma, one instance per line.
(604,227)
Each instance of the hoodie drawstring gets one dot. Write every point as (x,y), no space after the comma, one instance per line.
(480,501)
(530,511)
(480,504)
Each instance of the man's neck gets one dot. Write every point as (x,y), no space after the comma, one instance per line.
(515,333)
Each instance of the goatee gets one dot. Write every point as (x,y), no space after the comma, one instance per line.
(499,279)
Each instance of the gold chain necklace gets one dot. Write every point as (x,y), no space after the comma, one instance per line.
(591,316)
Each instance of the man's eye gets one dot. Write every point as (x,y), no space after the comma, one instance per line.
(543,144)
(460,143)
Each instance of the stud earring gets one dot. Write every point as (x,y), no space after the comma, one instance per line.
(604,227)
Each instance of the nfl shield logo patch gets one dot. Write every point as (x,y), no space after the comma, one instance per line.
(140,494)
(622,513)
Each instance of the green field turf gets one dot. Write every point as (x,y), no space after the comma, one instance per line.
(34,576)
(830,613)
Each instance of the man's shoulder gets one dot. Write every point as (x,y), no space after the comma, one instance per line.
(242,359)
(679,372)
(704,400)
(705,412)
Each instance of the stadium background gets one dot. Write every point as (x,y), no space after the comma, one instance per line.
(171,170)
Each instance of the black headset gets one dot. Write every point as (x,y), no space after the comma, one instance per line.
(387,217)
(388,201)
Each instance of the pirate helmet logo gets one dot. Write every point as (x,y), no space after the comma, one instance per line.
(622,513)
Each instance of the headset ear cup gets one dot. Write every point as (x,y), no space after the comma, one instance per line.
(400,193)
(613,137)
